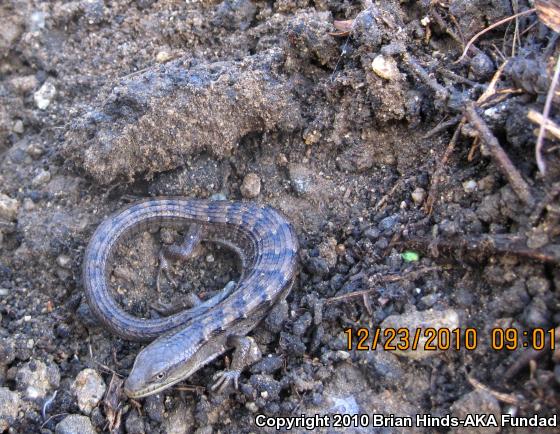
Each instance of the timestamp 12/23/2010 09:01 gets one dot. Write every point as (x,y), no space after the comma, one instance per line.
(442,339)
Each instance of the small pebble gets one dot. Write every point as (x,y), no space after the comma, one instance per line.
(44,96)
(8,207)
(28,204)
(9,407)
(88,387)
(163,56)
(537,238)
(75,424)
(418,195)
(35,151)
(470,186)
(437,319)
(210,258)
(18,127)
(251,406)
(251,186)
(35,379)
(64,261)
(385,67)
(43,176)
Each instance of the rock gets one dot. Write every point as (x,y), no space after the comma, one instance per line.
(35,379)
(64,261)
(180,420)
(18,127)
(24,84)
(418,195)
(35,151)
(482,66)
(388,223)
(476,402)
(537,314)
(44,96)
(11,29)
(537,285)
(42,177)
(75,424)
(268,365)
(7,351)
(327,251)
(88,387)
(9,407)
(8,207)
(470,186)
(448,319)
(134,423)
(385,67)
(251,186)
(537,238)
(301,179)
(266,386)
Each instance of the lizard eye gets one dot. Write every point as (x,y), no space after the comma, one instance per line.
(159,376)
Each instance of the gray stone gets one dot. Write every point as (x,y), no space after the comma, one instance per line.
(88,387)
(35,379)
(9,407)
(75,424)
(180,420)
(42,177)
(389,223)
(301,179)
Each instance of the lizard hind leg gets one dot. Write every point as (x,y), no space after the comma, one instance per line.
(176,252)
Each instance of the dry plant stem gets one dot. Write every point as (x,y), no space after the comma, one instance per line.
(428,206)
(551,126)
(484,246)
(419,71)
(504,397)
(492,26)
(528,355)
(442,126)
(383,279)
(501,159)
(540,139)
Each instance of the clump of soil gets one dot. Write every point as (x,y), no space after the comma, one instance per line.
(410,177)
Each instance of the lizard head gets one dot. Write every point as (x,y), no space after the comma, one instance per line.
(168,360)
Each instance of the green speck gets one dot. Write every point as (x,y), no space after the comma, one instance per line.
(410,256)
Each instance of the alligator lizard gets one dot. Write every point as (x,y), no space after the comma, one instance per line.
(184,342)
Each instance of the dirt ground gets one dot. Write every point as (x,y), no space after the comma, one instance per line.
(410,176)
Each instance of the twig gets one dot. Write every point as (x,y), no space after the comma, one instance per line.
(551,126)
(484,246)
(384,199)
(442,126)
(532,354)
(419,71)
(436,178)
(501,159)
(504,397)
(492,26)
(383,279)
(540,139)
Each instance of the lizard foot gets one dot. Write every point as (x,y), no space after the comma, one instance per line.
(223,379)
